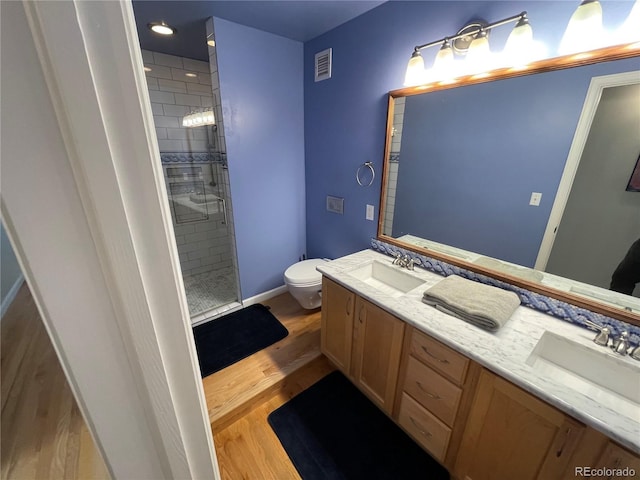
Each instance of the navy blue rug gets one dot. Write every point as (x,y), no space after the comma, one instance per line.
(228,339)
(332,431)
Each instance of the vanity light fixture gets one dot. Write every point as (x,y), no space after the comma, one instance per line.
(199,119)
(162,28)
(584,31)
(471,41)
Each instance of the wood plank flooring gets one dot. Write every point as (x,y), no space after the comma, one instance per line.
(42,431)
(45,437)
(233,391)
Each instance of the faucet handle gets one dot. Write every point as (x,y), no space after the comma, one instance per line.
(621,344)
(635,353)
(602,338)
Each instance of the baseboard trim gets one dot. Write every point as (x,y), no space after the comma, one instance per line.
(264,296)
(11,295)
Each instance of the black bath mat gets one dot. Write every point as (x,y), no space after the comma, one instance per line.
(332,431)
(228,339)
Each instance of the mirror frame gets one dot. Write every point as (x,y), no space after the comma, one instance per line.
(618,52)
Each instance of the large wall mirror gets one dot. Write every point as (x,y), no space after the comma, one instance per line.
(528,178)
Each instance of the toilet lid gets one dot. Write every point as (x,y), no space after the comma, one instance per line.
(303,273)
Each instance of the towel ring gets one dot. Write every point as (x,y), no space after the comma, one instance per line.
(358,173)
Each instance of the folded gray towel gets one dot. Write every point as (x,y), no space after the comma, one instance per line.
(481,305)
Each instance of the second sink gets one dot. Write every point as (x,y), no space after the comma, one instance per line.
(387,278)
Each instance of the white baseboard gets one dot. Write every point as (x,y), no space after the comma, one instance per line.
(264,296)
(11,295)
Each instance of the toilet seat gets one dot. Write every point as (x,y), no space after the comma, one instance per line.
(304,274)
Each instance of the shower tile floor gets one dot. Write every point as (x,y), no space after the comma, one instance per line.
(209,290)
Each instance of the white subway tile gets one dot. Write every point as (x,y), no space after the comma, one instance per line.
(195,145)
(171,146)
(152,83)
(184,229)
(205,79)
(162,97)
(167,60)
(147,56)
(206,101)
(161,133)
(156,108)
(181,75)
(186,99)
(165,85)
(177,133)
(162,121)
(198,89)
(158,71)
(176,110)
(197,133)
(195,65)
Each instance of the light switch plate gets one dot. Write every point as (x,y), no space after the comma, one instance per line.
(535,199)
(335,204)
(370,211)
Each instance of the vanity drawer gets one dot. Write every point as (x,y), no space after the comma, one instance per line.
(445,360)
(432,391)
(427,430)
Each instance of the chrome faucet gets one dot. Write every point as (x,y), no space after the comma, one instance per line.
(404,261)
(621,344)
(602,337)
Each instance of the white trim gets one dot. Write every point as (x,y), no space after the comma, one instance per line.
(112,230)
(264,296)
(11,295)
(597,85)
(214,313)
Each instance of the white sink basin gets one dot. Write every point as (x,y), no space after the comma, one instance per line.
(387,278)
(597,372)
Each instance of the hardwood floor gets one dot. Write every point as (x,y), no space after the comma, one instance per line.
(45,437)
(43,433)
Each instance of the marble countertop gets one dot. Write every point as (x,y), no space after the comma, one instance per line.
(507,351)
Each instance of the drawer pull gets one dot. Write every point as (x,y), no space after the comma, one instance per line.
(428,394)
(441,360)
(426,434)
(564,443)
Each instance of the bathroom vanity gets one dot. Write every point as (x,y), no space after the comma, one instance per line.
(485,405)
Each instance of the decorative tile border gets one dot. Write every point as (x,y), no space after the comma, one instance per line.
(170,158)
(550,306)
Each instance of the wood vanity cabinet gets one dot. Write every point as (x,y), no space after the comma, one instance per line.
(511,434)
(478,425)
(336,330)
(377,345)
(363,341)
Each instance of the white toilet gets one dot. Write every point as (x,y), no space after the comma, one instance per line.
(305,282)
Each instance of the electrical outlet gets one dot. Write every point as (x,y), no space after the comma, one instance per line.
(535,199)
(369,214)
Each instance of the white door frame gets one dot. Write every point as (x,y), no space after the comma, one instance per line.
(86,209)
(591,102)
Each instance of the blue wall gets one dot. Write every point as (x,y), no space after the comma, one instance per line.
(263,109)
(345,116)
(473,155)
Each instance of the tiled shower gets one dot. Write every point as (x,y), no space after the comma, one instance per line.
(197,180)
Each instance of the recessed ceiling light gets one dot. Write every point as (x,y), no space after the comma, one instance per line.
(147,69)
(161,28)
(190,75)
(210,40)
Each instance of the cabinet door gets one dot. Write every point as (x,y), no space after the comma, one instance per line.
(616,462)
(512,435)
(377,344)
(336,331)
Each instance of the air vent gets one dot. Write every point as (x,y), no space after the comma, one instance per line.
(323,65)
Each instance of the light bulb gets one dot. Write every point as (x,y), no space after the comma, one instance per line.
(415,70)
(444,64)
(630,30)
(584,31)
(479,54)
(519,47)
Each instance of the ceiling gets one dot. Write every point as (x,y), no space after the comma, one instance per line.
(295,19)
